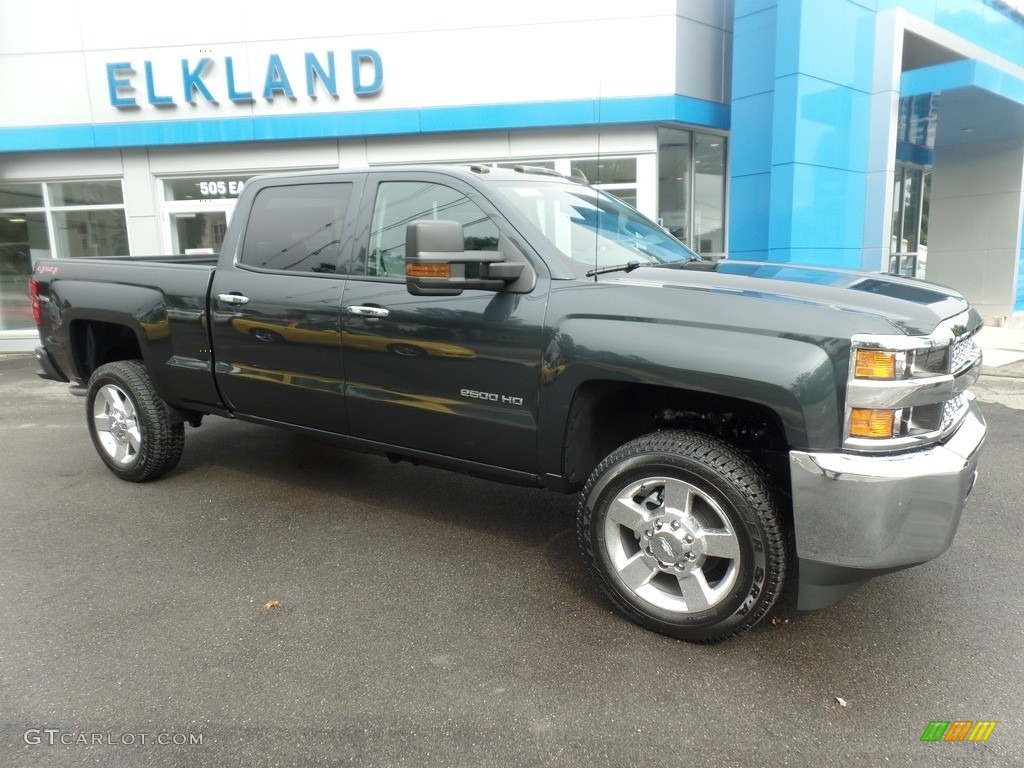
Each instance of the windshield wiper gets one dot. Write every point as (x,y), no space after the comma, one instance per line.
(628,267)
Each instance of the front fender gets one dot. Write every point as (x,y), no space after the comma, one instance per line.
(797,378)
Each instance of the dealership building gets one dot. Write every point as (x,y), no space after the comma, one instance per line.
(885,135)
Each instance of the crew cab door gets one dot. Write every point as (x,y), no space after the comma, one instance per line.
(454,376)
(276,305)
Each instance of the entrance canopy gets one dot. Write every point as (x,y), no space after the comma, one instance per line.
(979,102)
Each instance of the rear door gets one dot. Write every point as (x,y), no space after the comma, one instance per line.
(451,375)
(276,308)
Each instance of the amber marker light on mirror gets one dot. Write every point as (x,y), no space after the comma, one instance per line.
(428,270)
(871,423)
(874,364)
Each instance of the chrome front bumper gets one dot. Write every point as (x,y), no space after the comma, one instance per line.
(858,516)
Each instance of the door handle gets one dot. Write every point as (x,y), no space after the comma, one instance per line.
(233,298)
(367,311)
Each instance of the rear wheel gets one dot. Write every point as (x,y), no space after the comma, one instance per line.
(129,423)
(683,534)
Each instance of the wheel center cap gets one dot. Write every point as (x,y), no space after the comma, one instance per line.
(671,542)
(668,547)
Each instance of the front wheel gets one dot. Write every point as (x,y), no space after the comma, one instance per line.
(684,535)
(129,423)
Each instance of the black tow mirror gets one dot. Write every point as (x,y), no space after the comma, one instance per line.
(438,264)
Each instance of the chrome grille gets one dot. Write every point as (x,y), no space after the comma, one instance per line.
(964,353)
(952,411)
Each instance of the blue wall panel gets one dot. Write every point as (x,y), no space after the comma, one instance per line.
(751,117)
(810,130)
(1018,304)
(748,216)
(644,109)
(979,21)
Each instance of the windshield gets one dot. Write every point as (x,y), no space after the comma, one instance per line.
(592,229)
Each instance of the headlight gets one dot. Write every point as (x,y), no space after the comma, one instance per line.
(873,423)
(875,364)
(905,391)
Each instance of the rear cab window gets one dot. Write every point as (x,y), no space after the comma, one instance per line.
(297,228)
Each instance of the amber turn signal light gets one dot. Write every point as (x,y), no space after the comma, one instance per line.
(872,423)
(428,270)
(874,364)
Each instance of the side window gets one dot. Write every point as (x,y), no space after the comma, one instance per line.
(401,202)
(297,228)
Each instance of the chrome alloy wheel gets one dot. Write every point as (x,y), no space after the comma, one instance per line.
(672,545)
(117,424)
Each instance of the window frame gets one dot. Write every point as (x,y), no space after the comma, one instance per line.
(345,223)
(379,177)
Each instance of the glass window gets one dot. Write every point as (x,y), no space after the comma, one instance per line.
(708,193)
(297,228)
(549,164)
(24,239)
(603,171)
(590,227)
(205,188)
(401,202)
(54,219)
(908,250)
(674,161)
(691,187)
(198,233)
(86,193)
(21,196)
(90,233)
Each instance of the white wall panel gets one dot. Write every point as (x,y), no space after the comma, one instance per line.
(445,148)
(61,165)
(714,13)
(44,89)
(585,142)
(32,27)
(701,71)
(975,222)
(264,20)
(115,25)
(241,157)
(489,54)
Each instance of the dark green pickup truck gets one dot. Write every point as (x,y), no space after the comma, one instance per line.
(730,425)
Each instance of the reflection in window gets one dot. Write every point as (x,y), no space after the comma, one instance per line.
(69,193)
(90,233)
(197,233)
(21,195)
(401,202)
(297,228)
(59,218)
(591,228)
(691,187)
(23,240)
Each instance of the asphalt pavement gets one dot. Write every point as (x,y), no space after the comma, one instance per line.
(277,602)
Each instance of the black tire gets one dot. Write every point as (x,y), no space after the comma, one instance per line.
(684,535)
(129,423)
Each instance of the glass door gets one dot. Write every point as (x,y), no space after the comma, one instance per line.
(908,251)
(197,210)
(196,233)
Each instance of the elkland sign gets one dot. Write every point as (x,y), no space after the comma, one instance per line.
(212,80)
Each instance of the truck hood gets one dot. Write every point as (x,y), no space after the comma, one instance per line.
(910,306)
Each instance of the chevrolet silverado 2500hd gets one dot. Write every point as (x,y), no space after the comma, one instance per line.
(728,425)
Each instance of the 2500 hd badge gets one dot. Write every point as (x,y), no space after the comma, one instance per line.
(491,397)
